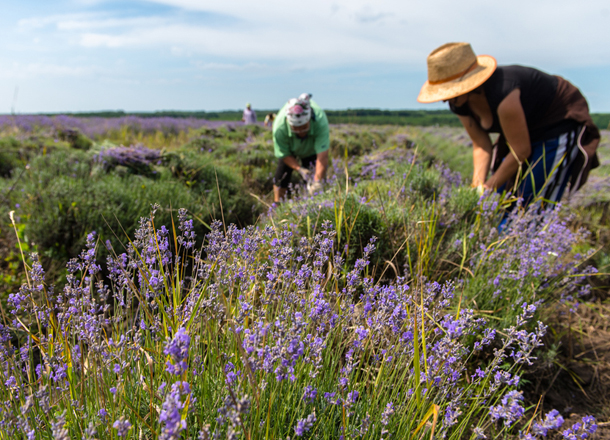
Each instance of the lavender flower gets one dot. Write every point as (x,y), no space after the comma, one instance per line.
(59,428)
(581,430)
(310,394)
(122,425)
(304,425)
(178,349)
(552,420)
(510,408)
(171,413)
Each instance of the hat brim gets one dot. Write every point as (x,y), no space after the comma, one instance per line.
(454,88)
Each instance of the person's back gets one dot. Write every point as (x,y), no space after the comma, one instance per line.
(269,118)
(286,143)
(249,116)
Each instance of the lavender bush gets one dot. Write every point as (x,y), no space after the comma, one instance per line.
(95,127)
(137,158)
(258,334)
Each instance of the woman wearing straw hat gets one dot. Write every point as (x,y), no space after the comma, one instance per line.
(547,137)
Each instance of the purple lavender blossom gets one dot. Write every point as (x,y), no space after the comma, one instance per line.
(171,412)
(388,412)
(310,394)
(178,349)
(304,425)
(510,408)
(59,428)
(552,420)
(122,425)
(581,430)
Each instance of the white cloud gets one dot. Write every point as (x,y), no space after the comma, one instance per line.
(557,34)
(267,44)
(68,24)
(223,45)
(251,67)
(17,70)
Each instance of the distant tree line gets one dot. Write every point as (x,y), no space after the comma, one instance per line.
(349,116)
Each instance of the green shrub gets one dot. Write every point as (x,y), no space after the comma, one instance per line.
(75,138)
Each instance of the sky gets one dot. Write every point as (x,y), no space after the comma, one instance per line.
(147,55)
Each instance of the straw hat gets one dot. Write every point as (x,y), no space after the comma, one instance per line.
(454,69)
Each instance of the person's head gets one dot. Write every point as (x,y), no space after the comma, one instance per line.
(298,115)
(459,101)
(454,71)
(248,105)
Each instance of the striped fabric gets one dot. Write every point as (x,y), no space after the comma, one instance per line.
(549,171)
(550,168)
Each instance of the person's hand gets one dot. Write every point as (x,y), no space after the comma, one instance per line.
(305,173)
(480,189)
(314,187)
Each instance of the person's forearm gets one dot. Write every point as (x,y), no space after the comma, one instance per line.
(321,166)
(292,162)
(507,170)
(481,159)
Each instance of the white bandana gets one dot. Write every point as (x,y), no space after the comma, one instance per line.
(299,110)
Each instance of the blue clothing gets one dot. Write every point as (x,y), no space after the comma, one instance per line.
(549,170)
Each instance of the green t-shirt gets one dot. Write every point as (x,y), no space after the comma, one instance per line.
(286,143)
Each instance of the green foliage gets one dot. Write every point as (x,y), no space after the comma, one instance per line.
(75,138)
(602,120)
(433,235)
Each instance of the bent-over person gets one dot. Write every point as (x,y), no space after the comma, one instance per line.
(547,138)
(301,141)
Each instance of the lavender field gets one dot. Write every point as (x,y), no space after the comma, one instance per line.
(150,289)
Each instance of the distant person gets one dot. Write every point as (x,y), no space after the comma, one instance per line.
(269,117)
(547,137)
(249,116)
(300,134)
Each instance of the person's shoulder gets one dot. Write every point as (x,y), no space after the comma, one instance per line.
(518,70)
(279,123)
(314,105)
(318,111)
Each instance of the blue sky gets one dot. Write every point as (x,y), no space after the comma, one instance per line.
(81,55)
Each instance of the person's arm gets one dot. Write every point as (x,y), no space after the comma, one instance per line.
(321,166)
(514,126)
(321,145)
(481,150)
(292,162)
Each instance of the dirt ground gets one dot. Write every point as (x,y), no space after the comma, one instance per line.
(576,380)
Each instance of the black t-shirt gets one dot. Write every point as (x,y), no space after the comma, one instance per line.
(538,90)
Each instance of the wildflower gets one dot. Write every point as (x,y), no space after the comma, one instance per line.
(187,239)
(580,430)
(387,413)
(310,394)
(178,349)
(552,420)
(304,425)
(479,433)
(122,425)
(171,412)
(59,428)
(510,408)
